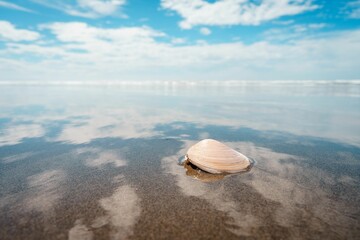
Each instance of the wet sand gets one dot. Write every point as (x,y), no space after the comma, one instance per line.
(150,196)
(116,187)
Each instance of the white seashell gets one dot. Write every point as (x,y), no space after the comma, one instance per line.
(214,157)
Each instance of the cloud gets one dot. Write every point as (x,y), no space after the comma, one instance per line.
(14,6)
(234,12)
(317,25)
(78,51)
(205,31)
(354,9)
(178,40)
(79,32)
(86,8)
(9,32)
(297,31)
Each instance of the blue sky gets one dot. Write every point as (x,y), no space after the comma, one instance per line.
(87,40)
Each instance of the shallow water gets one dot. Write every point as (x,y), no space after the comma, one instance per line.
(101,162)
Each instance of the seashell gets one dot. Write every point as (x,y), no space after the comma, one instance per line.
(215,157)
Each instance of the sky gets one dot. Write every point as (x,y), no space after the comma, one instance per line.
(179,40)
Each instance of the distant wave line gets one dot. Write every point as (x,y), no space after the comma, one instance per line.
(186,83)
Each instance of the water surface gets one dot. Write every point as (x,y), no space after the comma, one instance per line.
(101,162)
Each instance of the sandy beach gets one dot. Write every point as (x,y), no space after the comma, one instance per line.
(111,171)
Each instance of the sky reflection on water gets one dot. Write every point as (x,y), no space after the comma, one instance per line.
(101,162)
(81,114)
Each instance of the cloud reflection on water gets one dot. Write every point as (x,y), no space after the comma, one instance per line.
(15,134)
(96,160)
(45,190)
(80,232)
(281,190)
(17,157)
(123,209)
(319,110)
(98,157)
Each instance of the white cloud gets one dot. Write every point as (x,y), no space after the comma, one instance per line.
(9,32)
(292,32)
(100,6)
(83,33)
(86,8)
(234,12)
(317,25)
(178,40)
(354,8)
(83,52)
(205,31)
(287,22)
(14,6)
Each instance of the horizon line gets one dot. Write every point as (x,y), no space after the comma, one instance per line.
(178,82)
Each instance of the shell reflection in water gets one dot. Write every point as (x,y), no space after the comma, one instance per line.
(195,172)
(215,157)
